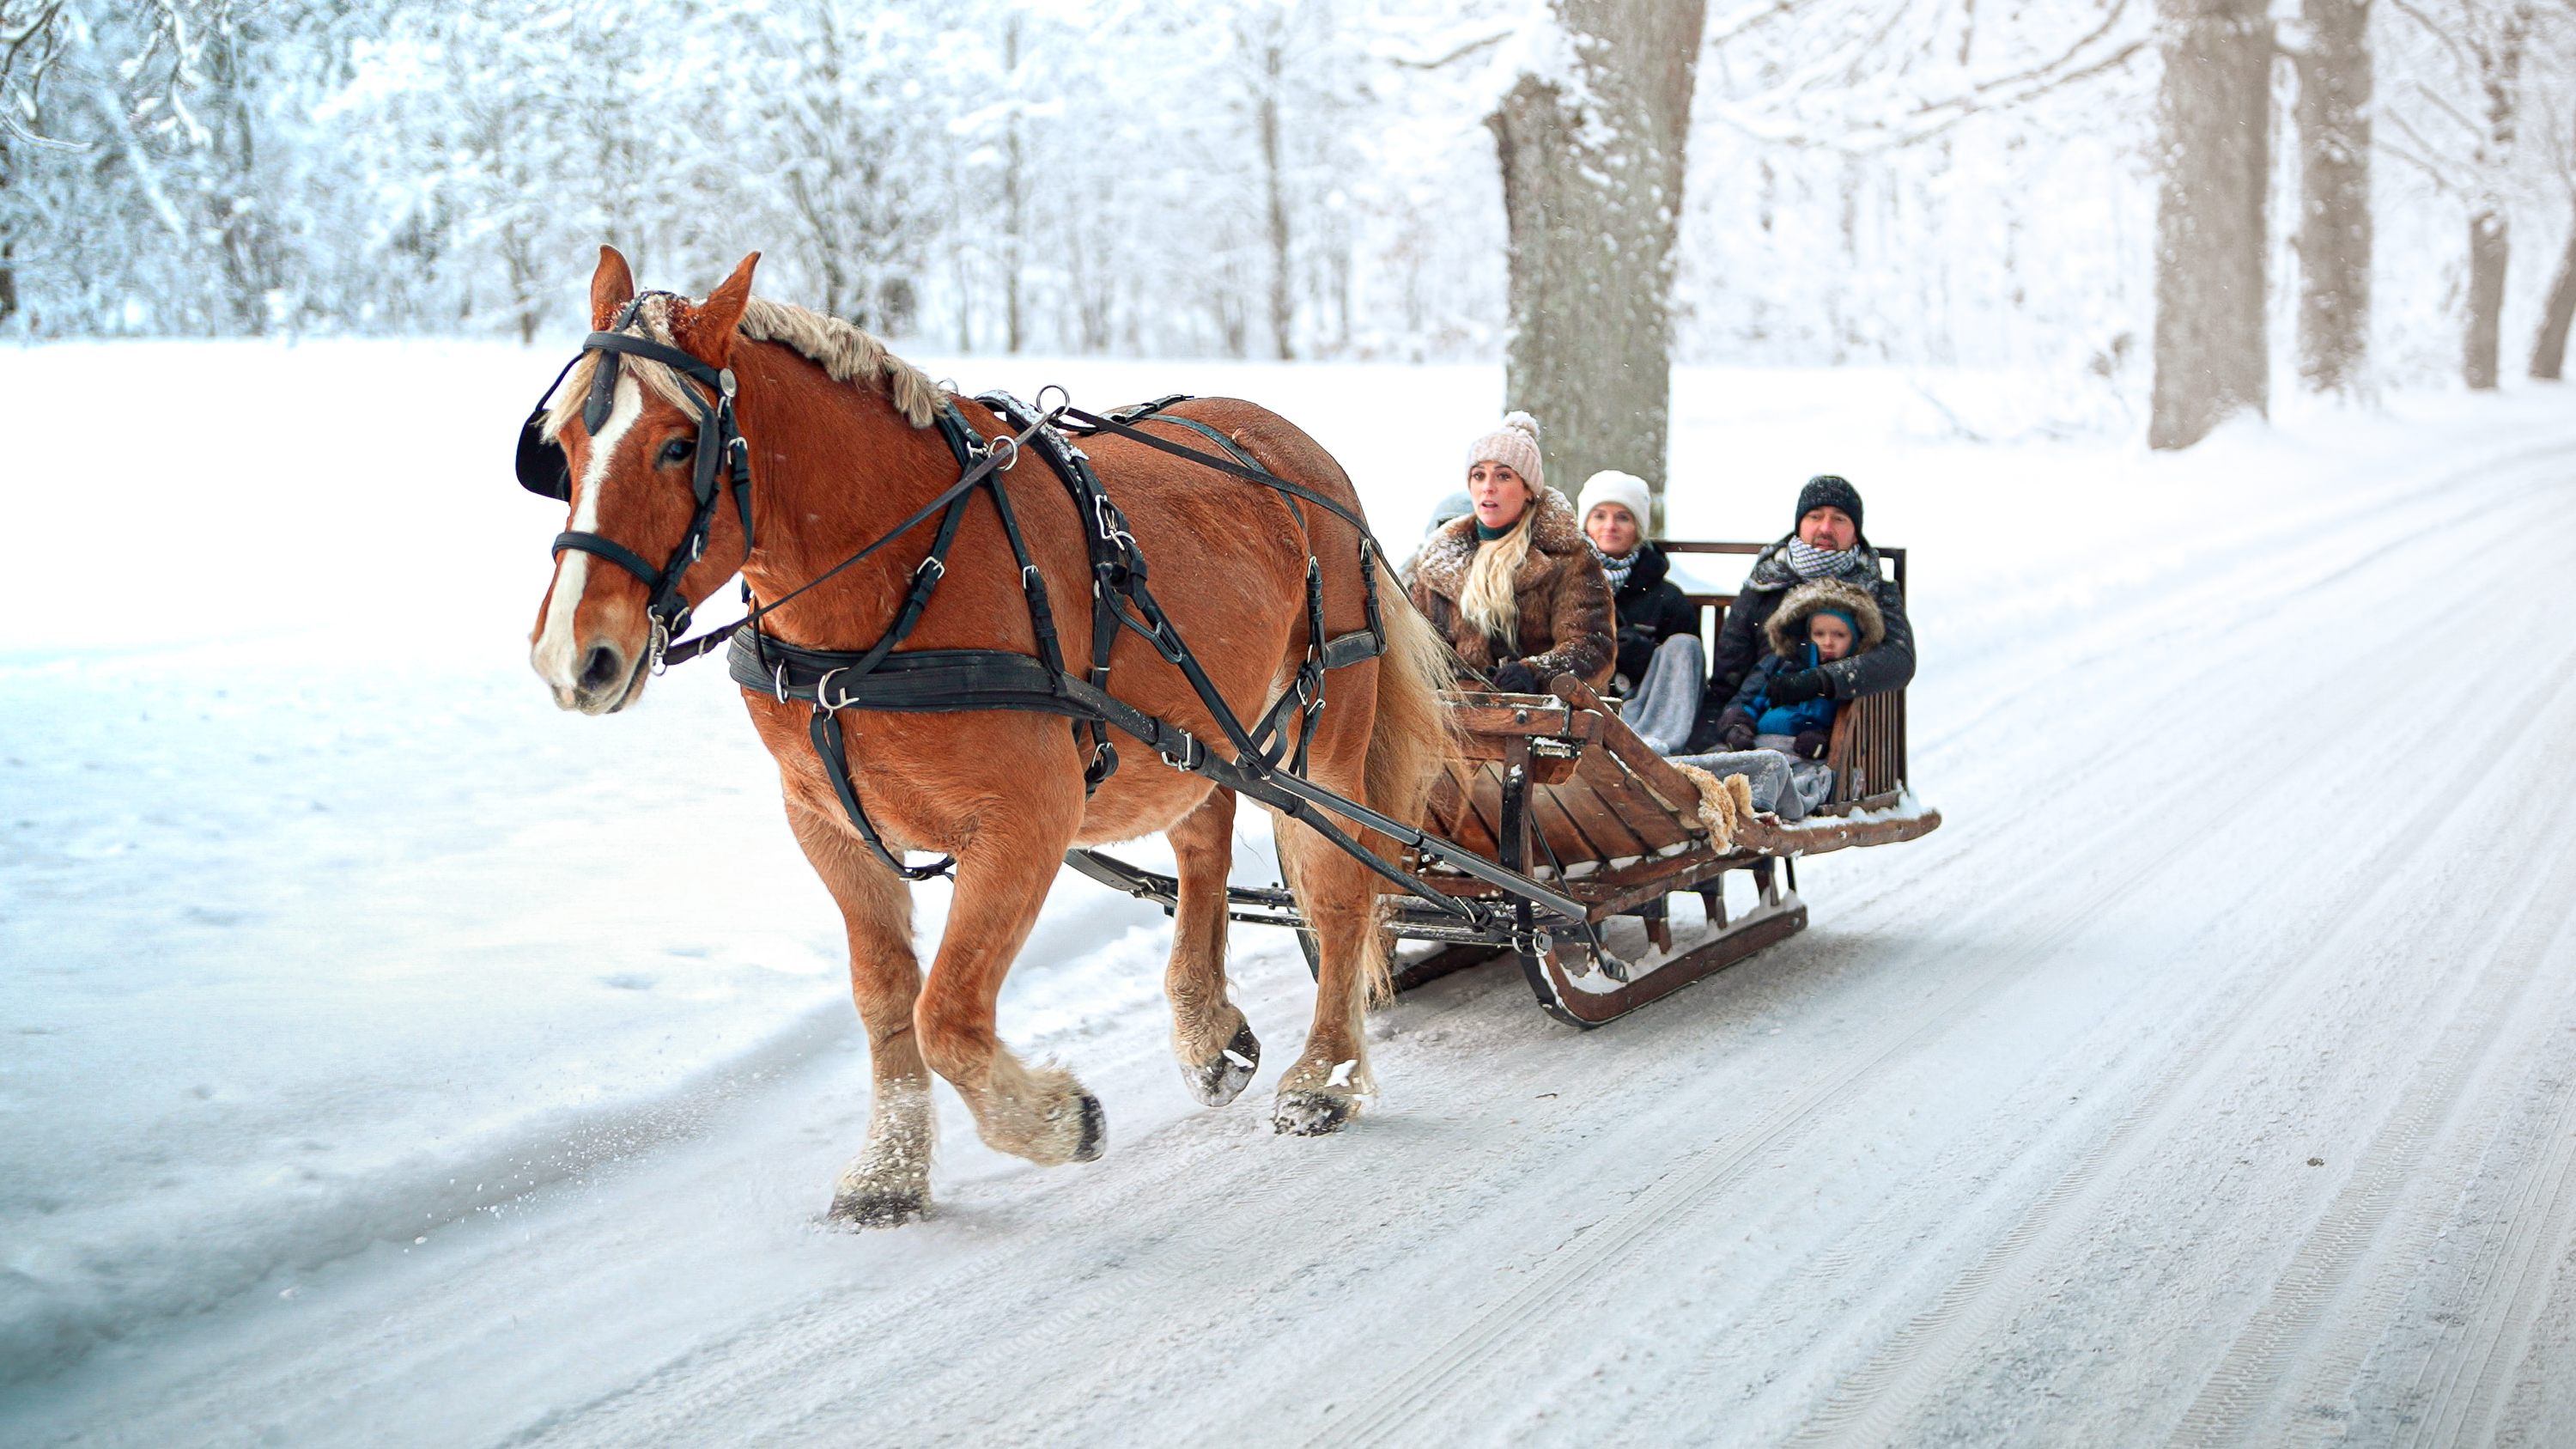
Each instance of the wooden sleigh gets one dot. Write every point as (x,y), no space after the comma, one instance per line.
(1589,825)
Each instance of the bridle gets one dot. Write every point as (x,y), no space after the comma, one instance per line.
(545,469)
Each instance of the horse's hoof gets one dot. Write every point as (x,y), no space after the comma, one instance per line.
(1310,1114)
(1095,1130)
(1221,1081)
(879,1208)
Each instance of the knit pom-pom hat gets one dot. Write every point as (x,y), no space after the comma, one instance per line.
(1515,446)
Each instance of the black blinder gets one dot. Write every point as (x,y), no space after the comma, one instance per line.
(603,393)
(543,468)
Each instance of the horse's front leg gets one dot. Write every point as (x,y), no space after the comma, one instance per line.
(889,1181)
(1041,1113)
(1214,1044)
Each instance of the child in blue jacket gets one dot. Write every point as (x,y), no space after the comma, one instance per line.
(1816,624)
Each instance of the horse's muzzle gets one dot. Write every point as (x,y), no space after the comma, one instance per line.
(607,680)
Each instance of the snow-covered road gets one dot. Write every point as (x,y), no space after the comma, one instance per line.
(2208,1078)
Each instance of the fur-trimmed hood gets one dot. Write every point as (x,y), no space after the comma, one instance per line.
(1443,563)
(1786,629)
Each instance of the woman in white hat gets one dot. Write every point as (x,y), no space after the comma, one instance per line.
(1513,585)
(1658,629)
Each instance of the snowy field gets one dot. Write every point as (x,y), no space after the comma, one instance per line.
(389,1059)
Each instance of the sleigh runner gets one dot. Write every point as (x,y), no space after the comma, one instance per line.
(1592,825)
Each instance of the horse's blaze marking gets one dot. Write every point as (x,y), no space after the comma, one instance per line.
(558,651)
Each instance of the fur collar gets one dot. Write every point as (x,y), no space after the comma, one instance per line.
(1787,626)
(1446,558)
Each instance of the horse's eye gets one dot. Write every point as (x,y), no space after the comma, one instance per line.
(678,450)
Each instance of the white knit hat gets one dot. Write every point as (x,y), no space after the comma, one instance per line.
(1515,446)
(1612,486)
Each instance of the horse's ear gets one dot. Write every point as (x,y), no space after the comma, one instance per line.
(706,330)
(611,288)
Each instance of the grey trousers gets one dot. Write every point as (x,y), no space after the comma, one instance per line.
(1666,702)
(1782,784)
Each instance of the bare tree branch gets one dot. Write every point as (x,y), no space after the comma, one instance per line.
(1453,57)
(1753,17)
(1930,118)
(2436,30)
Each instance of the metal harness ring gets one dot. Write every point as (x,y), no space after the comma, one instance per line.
(822,688)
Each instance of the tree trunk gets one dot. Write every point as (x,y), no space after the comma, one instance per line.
(2334,236)
(2489,247)
(2549,350)
(2490,228)
(1014,204)
(1283,307)
(1592,189)
(2213,122)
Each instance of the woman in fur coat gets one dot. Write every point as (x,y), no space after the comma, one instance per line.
(1512,585)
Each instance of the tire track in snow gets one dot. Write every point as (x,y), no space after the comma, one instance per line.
(2323,1306)
(1526,1313)
(1524,1316)
(2543,1218)
(1870,1404)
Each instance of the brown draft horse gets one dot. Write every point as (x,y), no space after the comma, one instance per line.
(839,434)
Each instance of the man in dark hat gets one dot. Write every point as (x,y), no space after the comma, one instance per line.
(1827,544)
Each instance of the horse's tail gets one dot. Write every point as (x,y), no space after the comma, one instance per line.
(1411,743)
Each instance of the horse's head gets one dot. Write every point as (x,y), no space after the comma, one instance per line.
(631,423)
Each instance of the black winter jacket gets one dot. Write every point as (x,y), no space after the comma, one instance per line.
(1741,645)
(1651,610)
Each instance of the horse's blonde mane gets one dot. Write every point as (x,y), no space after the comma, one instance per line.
(844,351)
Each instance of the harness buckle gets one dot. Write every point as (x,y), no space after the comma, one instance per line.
(778,679)
(1310,686)
(1193,755)
(1014,444)
(661,644)
(933,566)
(823,692)
(1105,513)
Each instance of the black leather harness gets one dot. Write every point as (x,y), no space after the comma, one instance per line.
(1269,759)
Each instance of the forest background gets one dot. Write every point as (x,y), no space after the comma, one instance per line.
(1932,184)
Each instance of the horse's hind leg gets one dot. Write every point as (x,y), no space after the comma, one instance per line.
(889,1181)
(1214,1044)
(1339,898)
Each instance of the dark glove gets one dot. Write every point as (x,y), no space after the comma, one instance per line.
(1515,678)
(1811,744)
(1799,686)
(1735,729)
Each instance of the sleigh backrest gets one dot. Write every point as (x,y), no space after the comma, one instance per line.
(1868,752)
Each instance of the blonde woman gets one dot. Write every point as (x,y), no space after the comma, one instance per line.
(1513,585)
